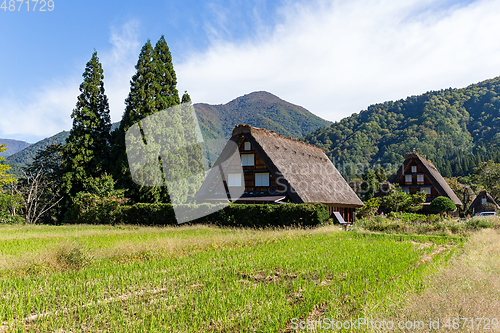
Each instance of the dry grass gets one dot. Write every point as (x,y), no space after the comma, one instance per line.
(468,288)
(131,244)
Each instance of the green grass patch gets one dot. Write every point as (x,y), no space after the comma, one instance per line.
(231,280)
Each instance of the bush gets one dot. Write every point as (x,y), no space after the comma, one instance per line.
(407,217)
(369,209)
(242,215)
(483,222)
(413,223)
(91,209)
(73,257)
(442,204)
(10,204)
(489,207)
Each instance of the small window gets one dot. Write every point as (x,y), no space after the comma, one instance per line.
(406,190)
(414,168)
(420,178)
(427,190)
(247,159)
(262,179)
(248,146)
(483,201)
(408,178)
(234,179)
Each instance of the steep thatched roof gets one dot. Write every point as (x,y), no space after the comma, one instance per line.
(483,194)
(433,173)
(304,169)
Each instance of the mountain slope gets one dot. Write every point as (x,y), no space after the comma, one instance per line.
(258,109)
(25,156)
(455,128)
(13,146)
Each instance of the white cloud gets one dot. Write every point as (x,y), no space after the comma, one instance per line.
(335,58)
(118,64)
(47,110)
(41,113)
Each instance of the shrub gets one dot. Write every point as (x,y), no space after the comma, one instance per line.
(489,207)
(369,209)
(442,204)
(73,257)
(483,222)
(94,210)
(91,209)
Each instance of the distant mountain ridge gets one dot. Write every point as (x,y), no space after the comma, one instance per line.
(13,146)
(259,109)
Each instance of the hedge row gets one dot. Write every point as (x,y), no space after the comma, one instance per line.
(94,210)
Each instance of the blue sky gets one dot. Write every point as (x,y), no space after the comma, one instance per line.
(332,57)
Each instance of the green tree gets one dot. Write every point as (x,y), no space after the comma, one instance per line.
(41,186)
(396,200)
(399,201)
(5,177)
(153,89)
(87,148)
(487,174)
(464,192)
(194,149)
(442,204)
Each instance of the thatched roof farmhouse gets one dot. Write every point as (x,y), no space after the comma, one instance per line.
(275,169)
(418,174)
(482,198)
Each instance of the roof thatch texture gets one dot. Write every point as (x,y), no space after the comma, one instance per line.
(433,173)
(477,204)
(307,172)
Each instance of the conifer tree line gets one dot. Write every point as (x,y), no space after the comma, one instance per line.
(93,164)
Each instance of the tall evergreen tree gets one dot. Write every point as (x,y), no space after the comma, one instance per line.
(87,148)
(153,89)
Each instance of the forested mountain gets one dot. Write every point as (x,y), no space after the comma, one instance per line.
(454,128)
(13,146)
(258,109)
(26,155)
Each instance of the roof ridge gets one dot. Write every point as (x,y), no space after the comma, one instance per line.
(251,128)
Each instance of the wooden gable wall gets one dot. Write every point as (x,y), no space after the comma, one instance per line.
(415,184)
(251,172)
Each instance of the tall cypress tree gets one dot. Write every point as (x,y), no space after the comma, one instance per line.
(153,89)
(87,148)
(166,80)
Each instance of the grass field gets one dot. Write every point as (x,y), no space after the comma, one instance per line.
(206,279)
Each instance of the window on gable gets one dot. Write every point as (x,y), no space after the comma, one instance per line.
(234,179)
(262,179)
(420,178)
(483,201)
(408,178)
(248,146)
(414,168)
(247,159)
(427,190)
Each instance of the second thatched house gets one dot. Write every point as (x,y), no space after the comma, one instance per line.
(482,201)
(418,174)
(260,166)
